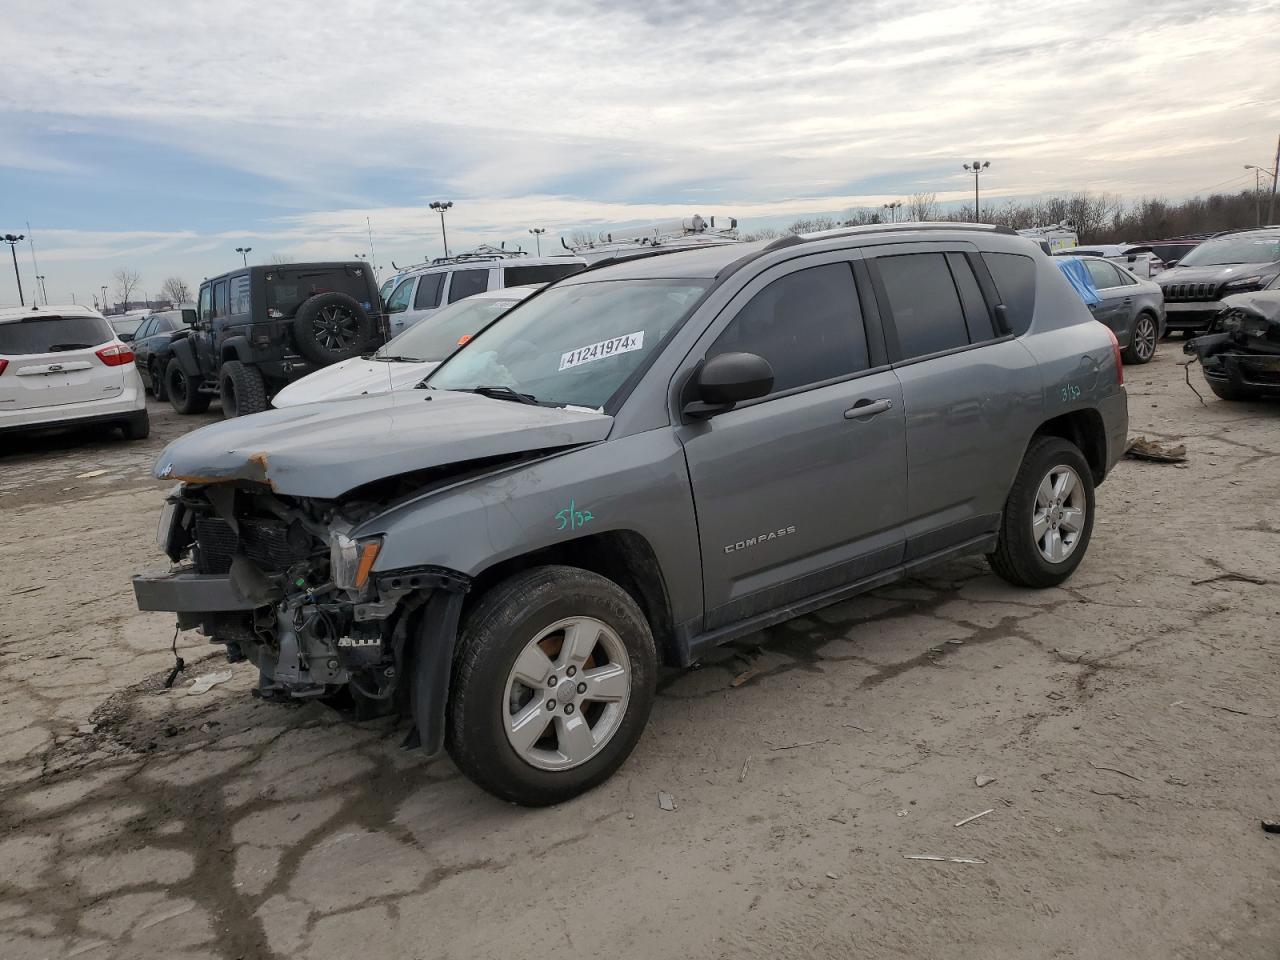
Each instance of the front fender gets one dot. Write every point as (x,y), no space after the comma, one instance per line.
(185,353)
(637,484)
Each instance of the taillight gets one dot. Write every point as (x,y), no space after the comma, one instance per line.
(1115,350)
(115,355)
(3,364)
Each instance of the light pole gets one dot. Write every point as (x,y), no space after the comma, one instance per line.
(44,291)
(537,235)
(441,206)
(1257,186)
(976,168)
(892,207)
(13,242)
(104,298)
(244,254)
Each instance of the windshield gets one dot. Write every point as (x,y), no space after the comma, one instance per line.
(1250,248)
(574,344)
(127,324)
(440,334)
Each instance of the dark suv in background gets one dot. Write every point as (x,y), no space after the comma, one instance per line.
(259,328)
(1238,262)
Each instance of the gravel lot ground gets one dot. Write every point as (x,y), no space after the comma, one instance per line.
(1129,720)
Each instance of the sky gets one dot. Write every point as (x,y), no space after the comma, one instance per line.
(159,138)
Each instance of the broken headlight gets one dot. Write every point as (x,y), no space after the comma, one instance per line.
(351,561)
(1249,325)
(166,529)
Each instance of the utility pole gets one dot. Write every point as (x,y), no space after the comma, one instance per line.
(977,167)
(441,206)
(13,242)
(537,235)
(1275,169)
(1257,190)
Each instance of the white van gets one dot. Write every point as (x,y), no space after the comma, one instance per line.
(419,291)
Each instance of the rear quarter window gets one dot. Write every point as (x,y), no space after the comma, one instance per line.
(1015,278)
(53,335)
(542,273)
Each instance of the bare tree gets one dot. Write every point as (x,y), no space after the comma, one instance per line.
(812,225)
(279,258)
(126,282)
(175,289)
(763,233)
(861,216)
(922,207)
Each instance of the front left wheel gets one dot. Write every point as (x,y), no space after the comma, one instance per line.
(553,680)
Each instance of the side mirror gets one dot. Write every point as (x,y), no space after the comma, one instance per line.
(125,337)
(1170,263)
(727,380)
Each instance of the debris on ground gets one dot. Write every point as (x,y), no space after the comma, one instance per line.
(1271,826)
(854,726)
(1231,575)
(926,856)
(743,775)
(832,876)
(902,812)
(1141,448)
(982,781)
(743,677)
(666,801)
(90,475)
(802,743)
(206,682)
(974,817)
(1123,773)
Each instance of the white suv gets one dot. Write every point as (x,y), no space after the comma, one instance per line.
(417,292)
(65,366)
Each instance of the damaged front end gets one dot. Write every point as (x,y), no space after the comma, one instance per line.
(1240,355)
(279,581)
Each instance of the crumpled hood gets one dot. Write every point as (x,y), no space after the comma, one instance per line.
(353,378)
(327,448)
(1264,303)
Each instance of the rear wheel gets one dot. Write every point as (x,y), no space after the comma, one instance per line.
(330,327)
(137,427)
(156,373)
(182,390)
(242,389)
(552,685)
(1048,516)
(1142,340)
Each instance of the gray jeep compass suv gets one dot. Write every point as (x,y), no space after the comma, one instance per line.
(638,463)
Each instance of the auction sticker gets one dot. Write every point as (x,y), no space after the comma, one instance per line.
(605,348)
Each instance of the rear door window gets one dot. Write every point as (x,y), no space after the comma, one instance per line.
(540,273)
(1015,278)
(926,308)
(808,325)
(220,298)
(146,328)
(240,295)
(1104,275)
(52,335)
(466,283)
(428,295)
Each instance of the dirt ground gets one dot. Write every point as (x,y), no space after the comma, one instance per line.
(1129,721)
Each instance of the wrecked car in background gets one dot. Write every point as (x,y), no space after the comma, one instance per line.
(508,553)
(1240,356)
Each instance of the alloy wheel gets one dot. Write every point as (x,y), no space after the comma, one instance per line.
(336,328)
(1144,338)
(567,693)
(1058,520)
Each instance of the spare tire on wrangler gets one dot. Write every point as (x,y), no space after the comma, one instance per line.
(333,326)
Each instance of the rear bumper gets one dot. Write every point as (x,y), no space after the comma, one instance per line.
(188,592)
(129,404)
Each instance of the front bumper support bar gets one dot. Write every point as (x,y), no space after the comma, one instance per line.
(189,592)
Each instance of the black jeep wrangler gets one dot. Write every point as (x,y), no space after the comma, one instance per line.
(259,328)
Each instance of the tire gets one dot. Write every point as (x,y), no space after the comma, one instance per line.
(242,390)
(137,427)
(1142,339)
(157,381)
(1227,391)
(1019,557)
(485,694)
(182,393)
(330,327)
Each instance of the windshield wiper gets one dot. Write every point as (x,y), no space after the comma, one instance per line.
(504,393)
(393,359)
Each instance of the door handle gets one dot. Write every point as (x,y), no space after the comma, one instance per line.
(868,408)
